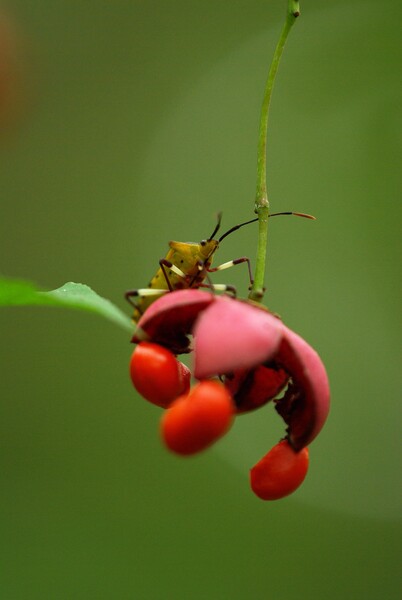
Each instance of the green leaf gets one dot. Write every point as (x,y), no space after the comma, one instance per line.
(15,292)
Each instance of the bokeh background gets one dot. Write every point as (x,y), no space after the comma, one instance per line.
(137,121)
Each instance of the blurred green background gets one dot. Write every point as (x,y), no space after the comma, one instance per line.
(141,123)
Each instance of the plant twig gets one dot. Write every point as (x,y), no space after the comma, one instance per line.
(261,201)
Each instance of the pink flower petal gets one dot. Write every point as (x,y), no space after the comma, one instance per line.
(305,405)
(231,335)
(170,319)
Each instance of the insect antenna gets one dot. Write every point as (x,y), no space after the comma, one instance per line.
(235,228)
(217,226)
(296,214)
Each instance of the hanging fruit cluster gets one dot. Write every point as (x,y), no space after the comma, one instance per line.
(243,358)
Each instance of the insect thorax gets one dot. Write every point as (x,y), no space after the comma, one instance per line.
(188,255)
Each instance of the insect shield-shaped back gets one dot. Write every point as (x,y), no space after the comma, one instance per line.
(188,256)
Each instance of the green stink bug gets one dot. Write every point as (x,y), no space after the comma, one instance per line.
(187,265)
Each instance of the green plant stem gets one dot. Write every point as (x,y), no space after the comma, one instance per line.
(261,201)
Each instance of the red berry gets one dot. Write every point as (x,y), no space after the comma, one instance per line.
(193,422)
(252,388)
(157,375)
(280,472)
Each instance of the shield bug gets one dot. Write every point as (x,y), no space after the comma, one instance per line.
(187,265)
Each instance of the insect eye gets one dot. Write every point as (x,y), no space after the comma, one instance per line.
(203,242)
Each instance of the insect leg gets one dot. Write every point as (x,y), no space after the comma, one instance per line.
(217,287)
(142,293)
(232,263)
(220,287)
(166,264)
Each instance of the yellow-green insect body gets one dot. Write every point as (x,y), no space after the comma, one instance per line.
(192,258)
(190,262)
